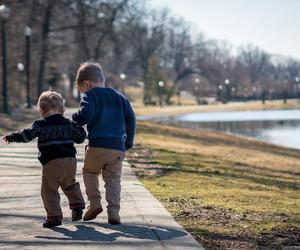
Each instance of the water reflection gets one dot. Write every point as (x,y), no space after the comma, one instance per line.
(284,129)
(263,115)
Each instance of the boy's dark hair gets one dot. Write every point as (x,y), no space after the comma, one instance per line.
(90,71)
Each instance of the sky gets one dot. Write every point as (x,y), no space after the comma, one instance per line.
(273,25)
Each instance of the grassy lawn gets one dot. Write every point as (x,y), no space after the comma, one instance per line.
(232,106)
(229,192)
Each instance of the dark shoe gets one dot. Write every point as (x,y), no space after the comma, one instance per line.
(92,213)
(77,214)
(113,216)
(54,223)
(114,221)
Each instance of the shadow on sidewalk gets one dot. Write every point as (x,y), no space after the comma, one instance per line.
(89,232)
(143,231)
(82,233)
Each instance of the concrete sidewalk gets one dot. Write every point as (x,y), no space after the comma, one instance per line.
(146,224)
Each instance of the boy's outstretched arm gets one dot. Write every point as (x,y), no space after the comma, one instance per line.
(79,134)
(86,111)
(25,135)
(130,122)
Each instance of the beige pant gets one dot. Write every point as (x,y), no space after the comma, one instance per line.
(107,162)
(60,173)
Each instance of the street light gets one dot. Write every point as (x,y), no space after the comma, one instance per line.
(28,33)
(20,68)
(228,94)
(227,81)
(161,84)
(123,77)
(297,80)
(254,91)
(219,91)
(4,15)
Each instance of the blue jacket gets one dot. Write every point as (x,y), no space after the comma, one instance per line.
(109,117)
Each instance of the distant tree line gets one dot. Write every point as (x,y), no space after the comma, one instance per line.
(150,47)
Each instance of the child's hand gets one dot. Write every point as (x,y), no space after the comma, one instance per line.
(5,140)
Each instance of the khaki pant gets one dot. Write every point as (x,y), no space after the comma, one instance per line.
(60,173)
(107,162)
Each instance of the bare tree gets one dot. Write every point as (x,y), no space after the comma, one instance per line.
(178,53)
(46,23)
(215,65)
(146,38)
(257,64)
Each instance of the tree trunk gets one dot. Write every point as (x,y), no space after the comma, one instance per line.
(284,96)
(169,96)
(147,99)
(71,79)
(44,45)
(4,70)
(263,98)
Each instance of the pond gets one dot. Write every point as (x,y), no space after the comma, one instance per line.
(276,126)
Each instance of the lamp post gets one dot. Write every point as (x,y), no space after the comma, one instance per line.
(4,15)
(297,80)
(254,91)
(197,89)
(197,94)
(219,92)
(27,33)
(20,67)
(123,78)
(161,84)
(228,94)
(233,91)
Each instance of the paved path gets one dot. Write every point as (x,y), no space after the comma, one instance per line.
(146,224)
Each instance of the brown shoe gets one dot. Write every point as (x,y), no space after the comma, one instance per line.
(92,213)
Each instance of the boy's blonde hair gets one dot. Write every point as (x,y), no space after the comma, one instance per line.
(50,100)
(90,71)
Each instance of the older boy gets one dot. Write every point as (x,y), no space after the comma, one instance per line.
(56,138)
(111,124)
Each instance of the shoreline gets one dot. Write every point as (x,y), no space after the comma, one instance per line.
(228,132)
(168,116)
(155,111)
(241,136)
